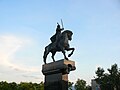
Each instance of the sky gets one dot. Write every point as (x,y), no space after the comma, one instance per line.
(27,25)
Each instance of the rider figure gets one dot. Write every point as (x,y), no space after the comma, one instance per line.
(55,37)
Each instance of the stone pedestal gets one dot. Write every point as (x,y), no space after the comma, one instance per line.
(56,74)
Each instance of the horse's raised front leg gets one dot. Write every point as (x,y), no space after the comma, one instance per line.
(68,49)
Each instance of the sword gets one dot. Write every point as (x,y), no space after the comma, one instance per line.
(62,23)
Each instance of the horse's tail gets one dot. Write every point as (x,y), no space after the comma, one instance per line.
(45,54)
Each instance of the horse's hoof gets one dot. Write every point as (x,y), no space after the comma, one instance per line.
(66,58)
(69,55)
(45,62)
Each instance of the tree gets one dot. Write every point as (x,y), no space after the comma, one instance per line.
(88,87)
(4,85)
(26,86)
(70,84)
(114,76)
(13,86)
(109,80)
(80,85)
(41,86)
(100,72)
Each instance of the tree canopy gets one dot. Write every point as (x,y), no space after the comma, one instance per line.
(22,86)
(81,85)
(110,80)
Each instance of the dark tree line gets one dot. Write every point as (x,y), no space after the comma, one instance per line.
(79,85)
(110,80)
(22,86)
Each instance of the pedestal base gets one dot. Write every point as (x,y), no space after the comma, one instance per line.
(56,82)
(56,74)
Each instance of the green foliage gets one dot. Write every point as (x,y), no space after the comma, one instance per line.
(80,85)
(100,72)
(109,80)
(70,84)
(41,86)
(4,86)
(22,86)
(13,86)
(88,87)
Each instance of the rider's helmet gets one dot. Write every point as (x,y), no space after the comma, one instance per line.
(58,26)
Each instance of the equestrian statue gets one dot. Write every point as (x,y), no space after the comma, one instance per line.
(59,43)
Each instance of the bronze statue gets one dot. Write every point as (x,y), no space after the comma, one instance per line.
(59,42)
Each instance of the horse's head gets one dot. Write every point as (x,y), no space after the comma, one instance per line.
(69,34)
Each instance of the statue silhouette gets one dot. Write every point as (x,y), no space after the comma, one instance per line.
(59,42)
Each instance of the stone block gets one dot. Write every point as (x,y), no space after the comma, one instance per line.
(56,74)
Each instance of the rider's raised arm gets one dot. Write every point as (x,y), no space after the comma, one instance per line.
(62,29)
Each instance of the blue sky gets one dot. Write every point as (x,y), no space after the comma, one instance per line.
(27,25)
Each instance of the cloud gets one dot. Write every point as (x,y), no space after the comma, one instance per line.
(9,45)
(23,68)
(30,76)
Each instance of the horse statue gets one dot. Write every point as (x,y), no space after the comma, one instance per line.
(61,45)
